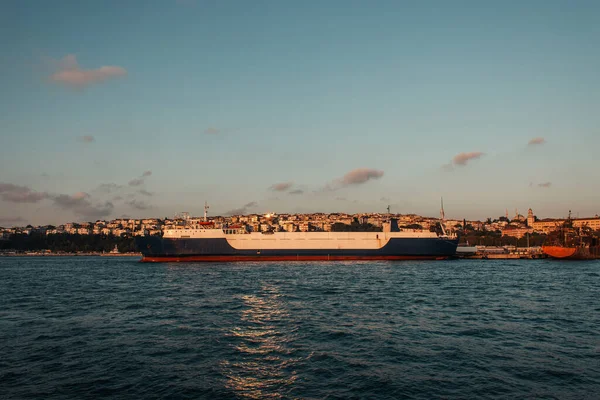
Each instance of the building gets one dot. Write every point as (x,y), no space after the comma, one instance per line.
(530,218)
(517,232)
(593,223)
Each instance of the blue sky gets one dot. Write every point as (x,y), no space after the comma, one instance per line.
(357,104)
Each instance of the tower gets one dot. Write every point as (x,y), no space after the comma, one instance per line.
(530,218)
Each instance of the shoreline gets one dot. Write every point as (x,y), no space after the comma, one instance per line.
(72,255)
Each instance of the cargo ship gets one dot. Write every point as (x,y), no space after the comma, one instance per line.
(206,241)
(568,242)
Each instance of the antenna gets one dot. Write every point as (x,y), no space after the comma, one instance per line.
(388,208)
(205,211)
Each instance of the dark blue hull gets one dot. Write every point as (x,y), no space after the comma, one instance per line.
(159,249)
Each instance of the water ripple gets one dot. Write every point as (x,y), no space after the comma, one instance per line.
(115,328)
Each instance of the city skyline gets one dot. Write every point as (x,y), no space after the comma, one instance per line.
(149,109)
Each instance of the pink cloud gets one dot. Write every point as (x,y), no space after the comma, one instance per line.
(71,74)
(212,131)
(537,140)
(86,139)
(361,175)
(280,187)
(463,159)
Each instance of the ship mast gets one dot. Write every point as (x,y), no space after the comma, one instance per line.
(442,217)
(205,211)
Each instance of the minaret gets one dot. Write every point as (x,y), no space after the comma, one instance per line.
(205,211)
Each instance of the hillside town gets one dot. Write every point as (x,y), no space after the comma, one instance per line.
(518,226)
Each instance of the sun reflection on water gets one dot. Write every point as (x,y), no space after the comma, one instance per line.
(264,367)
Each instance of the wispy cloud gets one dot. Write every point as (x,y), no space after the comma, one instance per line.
(545,184)
(212,131)
(108,187)
(86,139)
(80,204)
(145,192)
(140,180)
(281,187)
(536,141)
(11,220)
(20,194)
(296,192)
(69,73)
(463,159)
(242,210)
(138,204)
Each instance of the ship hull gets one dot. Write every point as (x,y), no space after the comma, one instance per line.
(158,249)
(572,253)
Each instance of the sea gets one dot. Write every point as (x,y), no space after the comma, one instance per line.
(112,327)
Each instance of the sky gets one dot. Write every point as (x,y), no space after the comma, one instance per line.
(150,108)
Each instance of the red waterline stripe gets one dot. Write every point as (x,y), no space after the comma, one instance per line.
(284,258)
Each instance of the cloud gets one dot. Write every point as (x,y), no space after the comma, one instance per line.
(242,210)
(212,131)
(296,192)
(138,204)
(385,199)
(69,73)
(545,184)
(80,204)
(11,220)
(108,187)
(357,176)
(86,139)
(341,199)
(136,182)
(281,187)
(463,159)
(140,180)
(20,194)
(361,175)
(536,141)
(145,192)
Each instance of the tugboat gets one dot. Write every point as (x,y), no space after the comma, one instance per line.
(572,243)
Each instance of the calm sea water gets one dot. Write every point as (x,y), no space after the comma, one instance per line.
(116,328)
